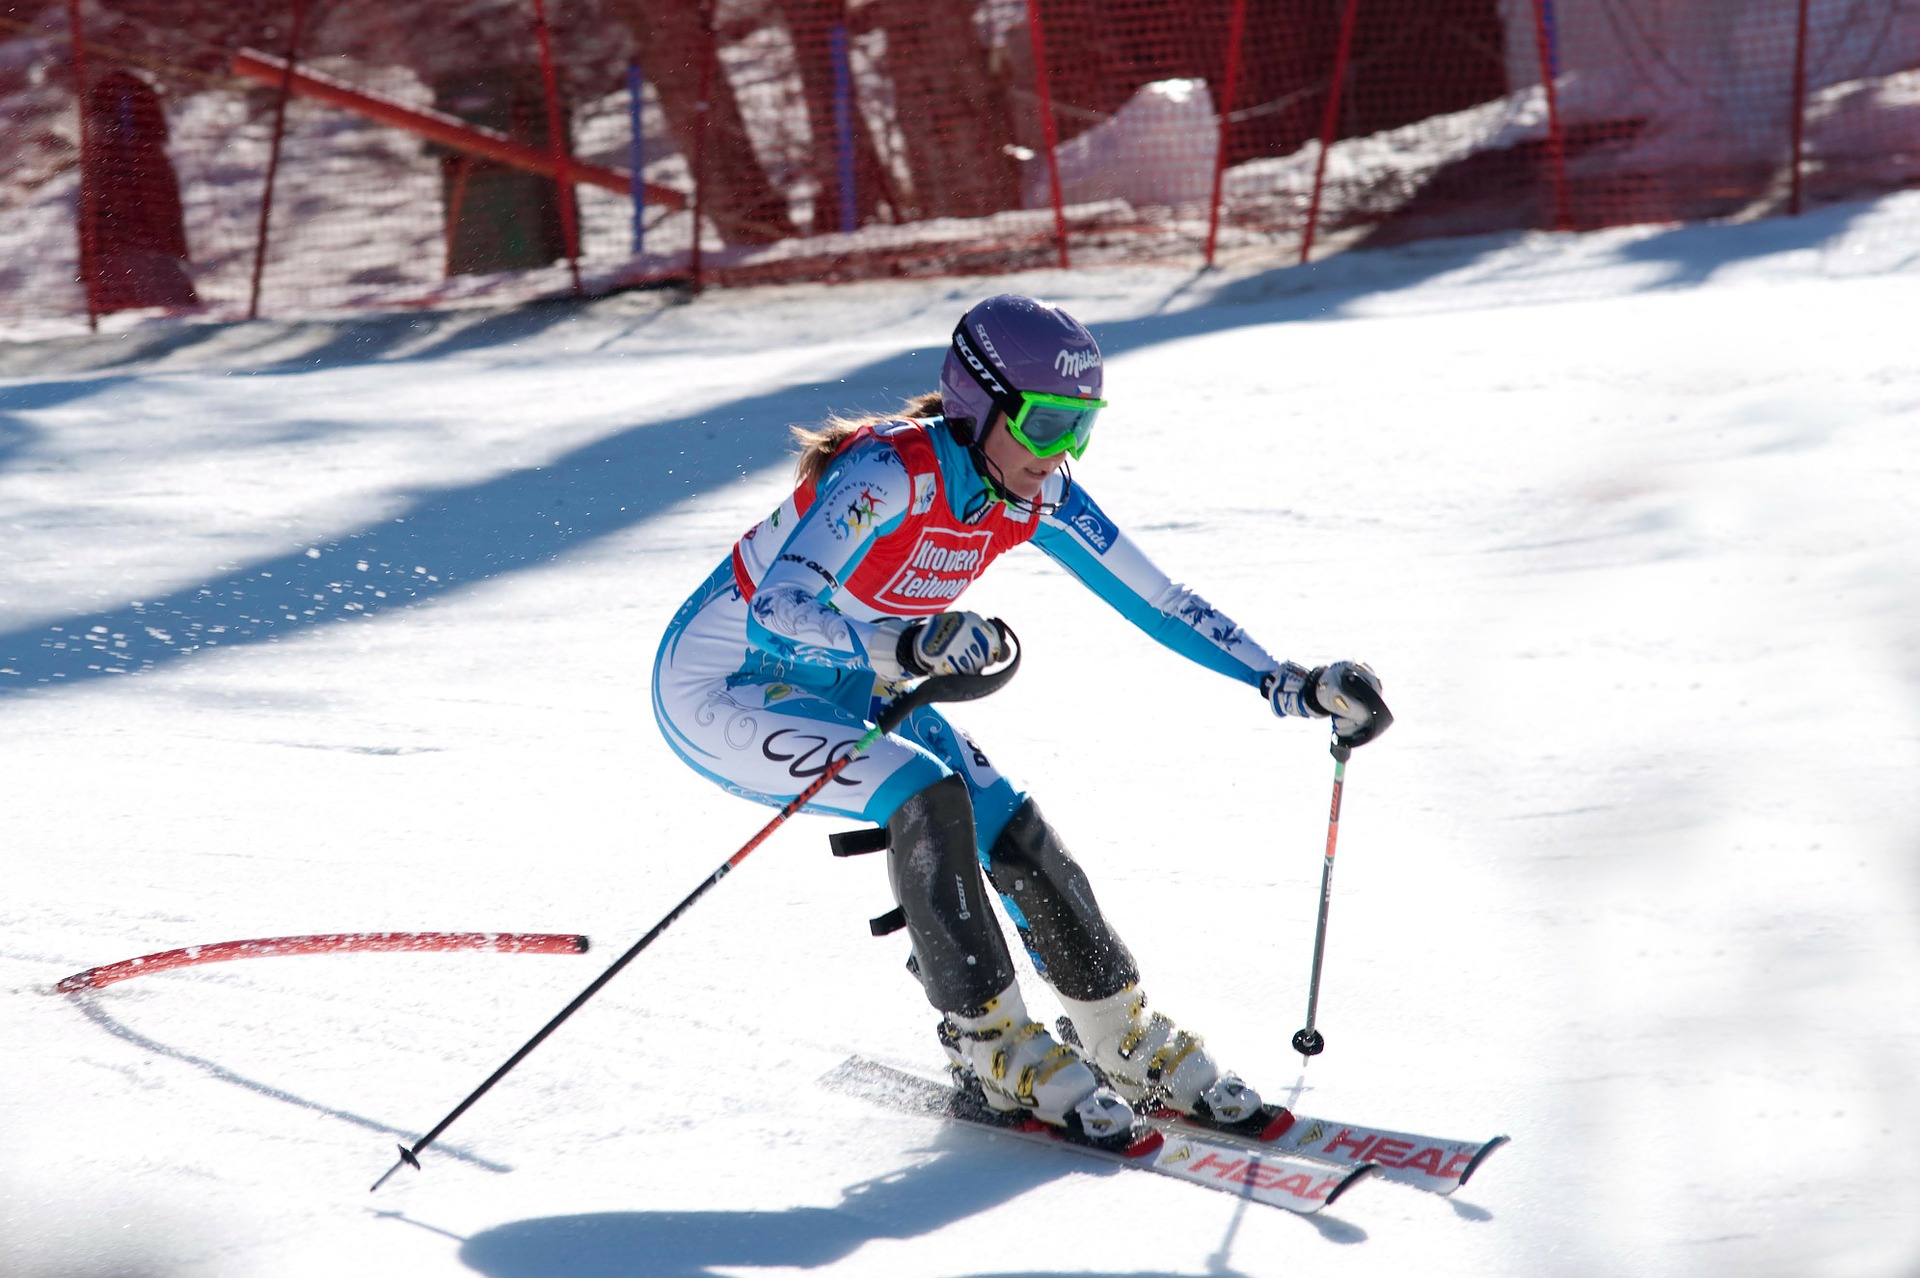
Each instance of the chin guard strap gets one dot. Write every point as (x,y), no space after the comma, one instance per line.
(995,489)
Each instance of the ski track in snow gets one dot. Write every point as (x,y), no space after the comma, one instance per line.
(347,627)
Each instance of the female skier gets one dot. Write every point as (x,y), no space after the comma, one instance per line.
(786,653)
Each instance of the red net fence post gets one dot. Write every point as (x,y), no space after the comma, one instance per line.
(1861,130)
(1043,88)
(1236,31)
(559,143)
(1799,105)
(1329,121)
(1543,31)
(273,156)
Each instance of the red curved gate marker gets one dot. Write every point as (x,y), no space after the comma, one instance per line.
(335,943)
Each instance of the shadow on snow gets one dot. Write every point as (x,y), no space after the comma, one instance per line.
(89,1006)
(970,1173)
(443,539)
(452,537)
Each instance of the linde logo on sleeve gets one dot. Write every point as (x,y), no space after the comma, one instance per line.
(1088,525)
(942,564)
(1085,518)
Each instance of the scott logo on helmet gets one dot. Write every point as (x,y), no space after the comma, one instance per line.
(988,377)
(980,331)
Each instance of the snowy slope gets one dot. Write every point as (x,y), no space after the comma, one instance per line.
(1626,521)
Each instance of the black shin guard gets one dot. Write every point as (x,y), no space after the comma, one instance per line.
(1064,927)
(959,953)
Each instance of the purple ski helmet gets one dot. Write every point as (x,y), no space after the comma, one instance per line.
(1011,344)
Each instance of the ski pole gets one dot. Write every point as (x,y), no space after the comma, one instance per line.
(938,688)
(1308,1041)
(1374,719)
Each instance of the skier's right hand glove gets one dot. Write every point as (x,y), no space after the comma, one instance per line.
(1349,691)
(951,643)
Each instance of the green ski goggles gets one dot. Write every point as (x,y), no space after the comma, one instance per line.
(1048,425)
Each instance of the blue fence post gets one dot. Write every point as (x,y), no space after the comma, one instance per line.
(636,158)
(843,123)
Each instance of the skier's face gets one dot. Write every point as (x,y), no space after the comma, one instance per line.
(1020,472)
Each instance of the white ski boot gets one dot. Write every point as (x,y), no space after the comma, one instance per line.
(1020,1067)
(1150,1062)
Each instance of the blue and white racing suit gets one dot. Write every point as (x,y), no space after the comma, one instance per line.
(763,677)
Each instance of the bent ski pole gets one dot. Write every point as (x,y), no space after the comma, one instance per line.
(938,688)
(1308,1041)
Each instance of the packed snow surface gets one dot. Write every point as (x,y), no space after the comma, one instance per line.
(315,628)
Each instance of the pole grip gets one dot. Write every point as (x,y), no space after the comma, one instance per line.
(954,687)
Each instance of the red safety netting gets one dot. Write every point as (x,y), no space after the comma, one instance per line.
(1405,119)
(406,154)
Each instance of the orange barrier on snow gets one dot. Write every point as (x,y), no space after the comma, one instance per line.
(336,943)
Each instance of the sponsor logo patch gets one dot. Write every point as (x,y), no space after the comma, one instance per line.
(993,383)
(860,512)
(1088,525)
(1389,1150)
(942,564)
(1085,519)
(1074,363)
(1236,1170)
(800,754)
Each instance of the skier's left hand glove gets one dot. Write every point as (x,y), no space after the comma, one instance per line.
(1349,691)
